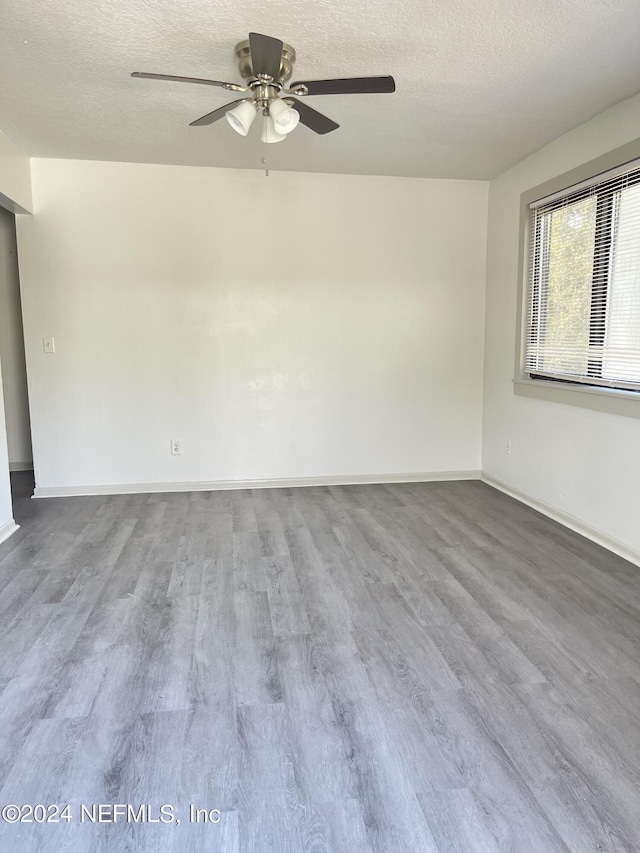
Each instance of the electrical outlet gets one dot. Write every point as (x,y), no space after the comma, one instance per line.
(49,345)
(507,446)
(176,447)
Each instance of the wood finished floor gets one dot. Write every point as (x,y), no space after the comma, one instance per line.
(422,667)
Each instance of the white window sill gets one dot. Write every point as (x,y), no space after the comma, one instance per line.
(611,400)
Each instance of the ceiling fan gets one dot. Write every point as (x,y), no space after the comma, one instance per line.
(266,65)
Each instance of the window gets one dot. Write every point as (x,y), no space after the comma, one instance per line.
(583,311)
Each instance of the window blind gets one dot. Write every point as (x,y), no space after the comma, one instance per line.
(583,307)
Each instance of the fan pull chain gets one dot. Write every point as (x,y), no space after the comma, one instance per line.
(263,160)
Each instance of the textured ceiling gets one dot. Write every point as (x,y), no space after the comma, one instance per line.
(480,83)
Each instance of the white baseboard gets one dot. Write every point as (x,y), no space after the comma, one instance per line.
(20,466)
(220,485)
(566,519)
(7,529)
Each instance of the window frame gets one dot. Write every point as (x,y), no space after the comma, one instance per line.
(560,390)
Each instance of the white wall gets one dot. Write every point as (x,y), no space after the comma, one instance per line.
(15,177)
(12,365)
(581,462)
(286,327)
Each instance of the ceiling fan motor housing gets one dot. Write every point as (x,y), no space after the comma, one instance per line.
(243,55)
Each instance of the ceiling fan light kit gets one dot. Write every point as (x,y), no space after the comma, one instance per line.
(270,132)
(242,117)
(285,118)
(266,65)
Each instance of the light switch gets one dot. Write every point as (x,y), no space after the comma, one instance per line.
(49,344)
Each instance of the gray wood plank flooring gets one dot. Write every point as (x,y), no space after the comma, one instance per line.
(362,669)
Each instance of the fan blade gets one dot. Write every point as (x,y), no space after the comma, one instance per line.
(348,86)
(266,55)
(232,87)
(215,115)
(312,118)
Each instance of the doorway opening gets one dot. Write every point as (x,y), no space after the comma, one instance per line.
(12,364)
